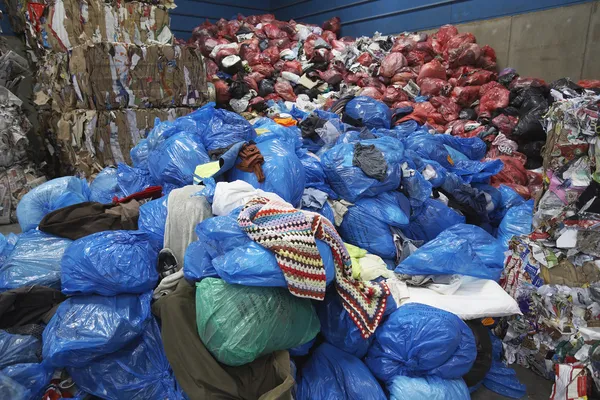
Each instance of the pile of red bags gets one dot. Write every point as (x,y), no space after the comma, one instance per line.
(450,81)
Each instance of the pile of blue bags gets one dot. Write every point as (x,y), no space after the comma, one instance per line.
(383,186)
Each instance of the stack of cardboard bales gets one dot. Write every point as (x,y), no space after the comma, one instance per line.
(106,71)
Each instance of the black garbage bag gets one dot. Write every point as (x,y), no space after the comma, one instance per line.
(567,88)
(266,87)
(309,126)
(483,361)
(506,79)
(238,89)
(533,104)
(468,114)
(533,151)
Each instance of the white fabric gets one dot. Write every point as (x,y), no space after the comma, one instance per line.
(168,284)
(475,298)
(231,195)
(185,210)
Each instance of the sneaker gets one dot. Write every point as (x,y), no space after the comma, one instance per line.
(167,263)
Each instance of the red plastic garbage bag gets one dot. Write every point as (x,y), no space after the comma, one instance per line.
(446,107)
(493,99)
(403,44)
(488,58)
(365,59)
(477,77)
(284,89)
(265,70)
(459,40)
(329,36)
(331,76)
(392,64)
(420,113)
(309,48)
(353,79)
(402,104)
(433,69)
(321,55)
(338,45)
(293,67)
(465,54)
(372,92)
(207,45)
(432,86)
(418,58)
(272,53)
(445,33)
(524,82)
(251,83)
(589,84)
(371,81)
(224,52)
(267,18)
(334,24)
(222,91)
(394,94)
(513,173)
(257,77)
(211,68)
(464,128)
(273,32)
(402,78)
(465,95)
(280,44)
(505,123)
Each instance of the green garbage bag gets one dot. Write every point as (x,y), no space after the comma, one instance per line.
(238,323)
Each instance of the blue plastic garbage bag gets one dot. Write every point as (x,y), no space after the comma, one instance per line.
(476,171)
(110,263)
(87,327)
(175,160)
(139,154)
(11,389)
(441,148)
(338,329)
(35,377)
(315,175)
(283,170)
(153,217)
(502,379)
(18,349)
(35,260)
(516,222)
(268,127)
(301,350)
(224,250)
(372,113)
(419,340)
(105,186)
(132,180)
(331,374)
(508,199)
(138,371)
(219,128)
(461,249)
(350,182)
(165,129)
(430,220)
(468,196)
(428,387)
(7,244)
(417,188)
(367,223)
(50,196)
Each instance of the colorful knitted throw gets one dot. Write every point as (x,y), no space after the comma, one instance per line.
(291,234)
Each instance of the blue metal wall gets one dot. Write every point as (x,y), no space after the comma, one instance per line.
(359,17)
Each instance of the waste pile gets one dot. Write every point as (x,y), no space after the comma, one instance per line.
(105,72)
(553,273)
(17,172)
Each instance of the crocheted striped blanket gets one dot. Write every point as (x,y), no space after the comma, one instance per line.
(291,234)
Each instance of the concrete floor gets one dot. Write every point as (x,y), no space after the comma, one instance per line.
(538,388)
(6,229)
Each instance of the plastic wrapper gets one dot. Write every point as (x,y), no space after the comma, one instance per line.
(110,263)
(105,186)
(349,181)
(331,374)
(283,170)
(153,217)
(392,64)
(35,260)
(18,349)
(429,387)
(367,224)
(33,378)
(85,328)
(461,249)
(176,159)
(419,340)
(224,250)
(50,196)
(238,324)
(138,371)
(132,180)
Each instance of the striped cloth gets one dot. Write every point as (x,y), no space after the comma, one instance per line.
(290,234)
